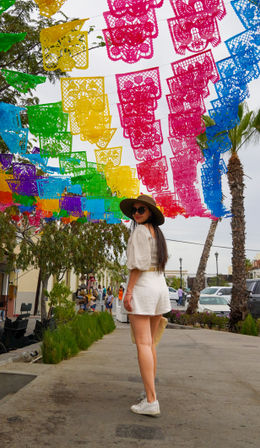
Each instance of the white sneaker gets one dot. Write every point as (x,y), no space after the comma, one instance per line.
(146,408)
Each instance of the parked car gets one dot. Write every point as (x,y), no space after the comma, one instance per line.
(173,295)
(217,290)
(214,304)
(253,288)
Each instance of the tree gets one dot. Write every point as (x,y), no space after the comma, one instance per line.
(7,241)
(50,252)
(85,247)
(26,56)
(249,265)
(248,127)
(199,281)
(174,282)
(118,273)
(96,244)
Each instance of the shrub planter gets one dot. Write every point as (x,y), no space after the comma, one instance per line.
(78,334)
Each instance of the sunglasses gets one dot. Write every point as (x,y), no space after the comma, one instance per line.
(139,210)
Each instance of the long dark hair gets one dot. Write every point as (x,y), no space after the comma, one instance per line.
(162,251)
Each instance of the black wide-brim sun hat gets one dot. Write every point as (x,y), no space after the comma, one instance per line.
(126,206)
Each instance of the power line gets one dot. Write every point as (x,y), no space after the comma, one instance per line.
(213,245)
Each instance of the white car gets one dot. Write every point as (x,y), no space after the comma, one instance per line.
(173,295)
(214,304)
(217,290)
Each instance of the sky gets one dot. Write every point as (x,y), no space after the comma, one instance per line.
(180,228)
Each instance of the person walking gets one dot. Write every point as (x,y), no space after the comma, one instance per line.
(109,300)
(180,296)
(120,293)
(146,297)
(100,296)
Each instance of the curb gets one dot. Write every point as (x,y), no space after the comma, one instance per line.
(182,327)
(16,355)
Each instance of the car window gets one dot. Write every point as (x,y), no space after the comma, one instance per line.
(257,288)
(212,301)
(250,285)
(225,291)
(209,291)
(171,289)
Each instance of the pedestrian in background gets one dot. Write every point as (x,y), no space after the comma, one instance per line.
(180,296)
(120,292)
(147,296)
(109,300)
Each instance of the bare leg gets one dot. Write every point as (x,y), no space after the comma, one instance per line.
(154,322)
(142,331)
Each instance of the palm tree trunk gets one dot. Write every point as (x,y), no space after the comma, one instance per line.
(43,300)
(239,295)
(199,281)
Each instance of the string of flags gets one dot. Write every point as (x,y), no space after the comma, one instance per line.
(79,189)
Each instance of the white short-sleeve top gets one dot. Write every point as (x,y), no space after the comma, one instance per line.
(141,249)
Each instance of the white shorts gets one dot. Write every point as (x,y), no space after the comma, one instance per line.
(150,295)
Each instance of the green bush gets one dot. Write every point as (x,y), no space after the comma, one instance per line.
(78,334)
(258,325)
(87,329)
(203,319)
(249,326)
(61,305)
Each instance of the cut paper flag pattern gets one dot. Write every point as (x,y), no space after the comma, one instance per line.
(131,28)
(65,46)
(22,81)
(55,181)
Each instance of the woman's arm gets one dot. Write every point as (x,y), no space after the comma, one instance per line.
(133,277)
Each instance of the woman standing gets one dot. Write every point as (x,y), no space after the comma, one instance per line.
(109,300)
(146,297)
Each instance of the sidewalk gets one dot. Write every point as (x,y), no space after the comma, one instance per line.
(208,387)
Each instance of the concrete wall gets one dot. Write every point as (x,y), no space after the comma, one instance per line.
(26,288)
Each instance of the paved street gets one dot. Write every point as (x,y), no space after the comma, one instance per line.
(208,387)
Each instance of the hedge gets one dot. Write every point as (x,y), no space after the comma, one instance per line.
(78,334)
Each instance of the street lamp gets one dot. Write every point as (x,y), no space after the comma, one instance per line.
(181,272)
(216,255)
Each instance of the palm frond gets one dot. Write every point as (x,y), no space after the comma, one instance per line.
(256,121)
(242,107)
(202,141)
(244,127)
(208,121)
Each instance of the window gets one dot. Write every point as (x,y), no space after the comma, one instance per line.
(212,301)
(225,291)
(209,290)
(250,285)
(257,288)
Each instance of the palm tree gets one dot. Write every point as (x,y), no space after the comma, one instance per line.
(199,281)
(248,127)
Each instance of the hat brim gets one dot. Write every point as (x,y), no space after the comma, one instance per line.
(127,204)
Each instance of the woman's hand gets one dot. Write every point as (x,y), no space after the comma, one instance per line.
(127,302)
